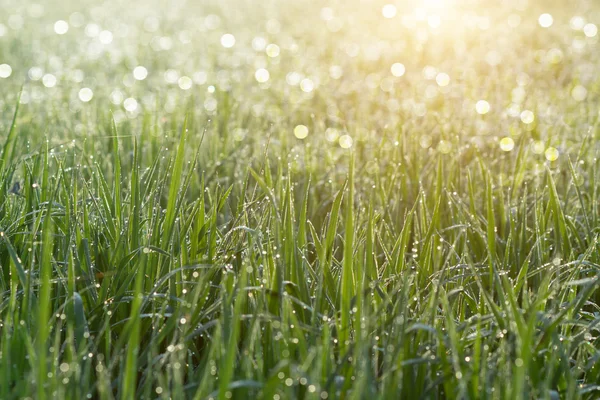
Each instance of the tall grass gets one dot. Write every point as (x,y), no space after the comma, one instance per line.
(161,256)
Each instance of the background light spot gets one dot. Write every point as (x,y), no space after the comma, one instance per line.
(442,79)
(272,50)
(140,73)
(527,117)
(5,71)
(345,141)
(579,93)
(130,104)
(577,23)
(389,11)
(398,69)
(301,131)
(482,107)
(590,30)
(86,94)
(61,27)
(307,85)
(35,73)
(331,134)
(545,20)
(261,75)
(551,154)
(228,40)
(507,144)
(185,83)
(49,80)
(105,37)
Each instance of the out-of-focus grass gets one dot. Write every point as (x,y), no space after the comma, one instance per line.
(333,205)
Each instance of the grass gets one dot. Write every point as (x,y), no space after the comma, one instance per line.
(194,247)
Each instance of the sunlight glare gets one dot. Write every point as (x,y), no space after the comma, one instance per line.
(435,4)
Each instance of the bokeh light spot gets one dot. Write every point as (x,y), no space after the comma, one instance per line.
(482,107)
(545,20)
(301,131)
(551,154)
(507,144)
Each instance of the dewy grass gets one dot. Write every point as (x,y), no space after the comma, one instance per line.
(404,205)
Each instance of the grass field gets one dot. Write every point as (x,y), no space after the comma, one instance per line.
(299,200)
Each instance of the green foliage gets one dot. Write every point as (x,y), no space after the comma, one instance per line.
(211,254)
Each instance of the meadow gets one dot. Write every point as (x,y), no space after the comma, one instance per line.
(299,200)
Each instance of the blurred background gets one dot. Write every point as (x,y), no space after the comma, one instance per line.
(323,64)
